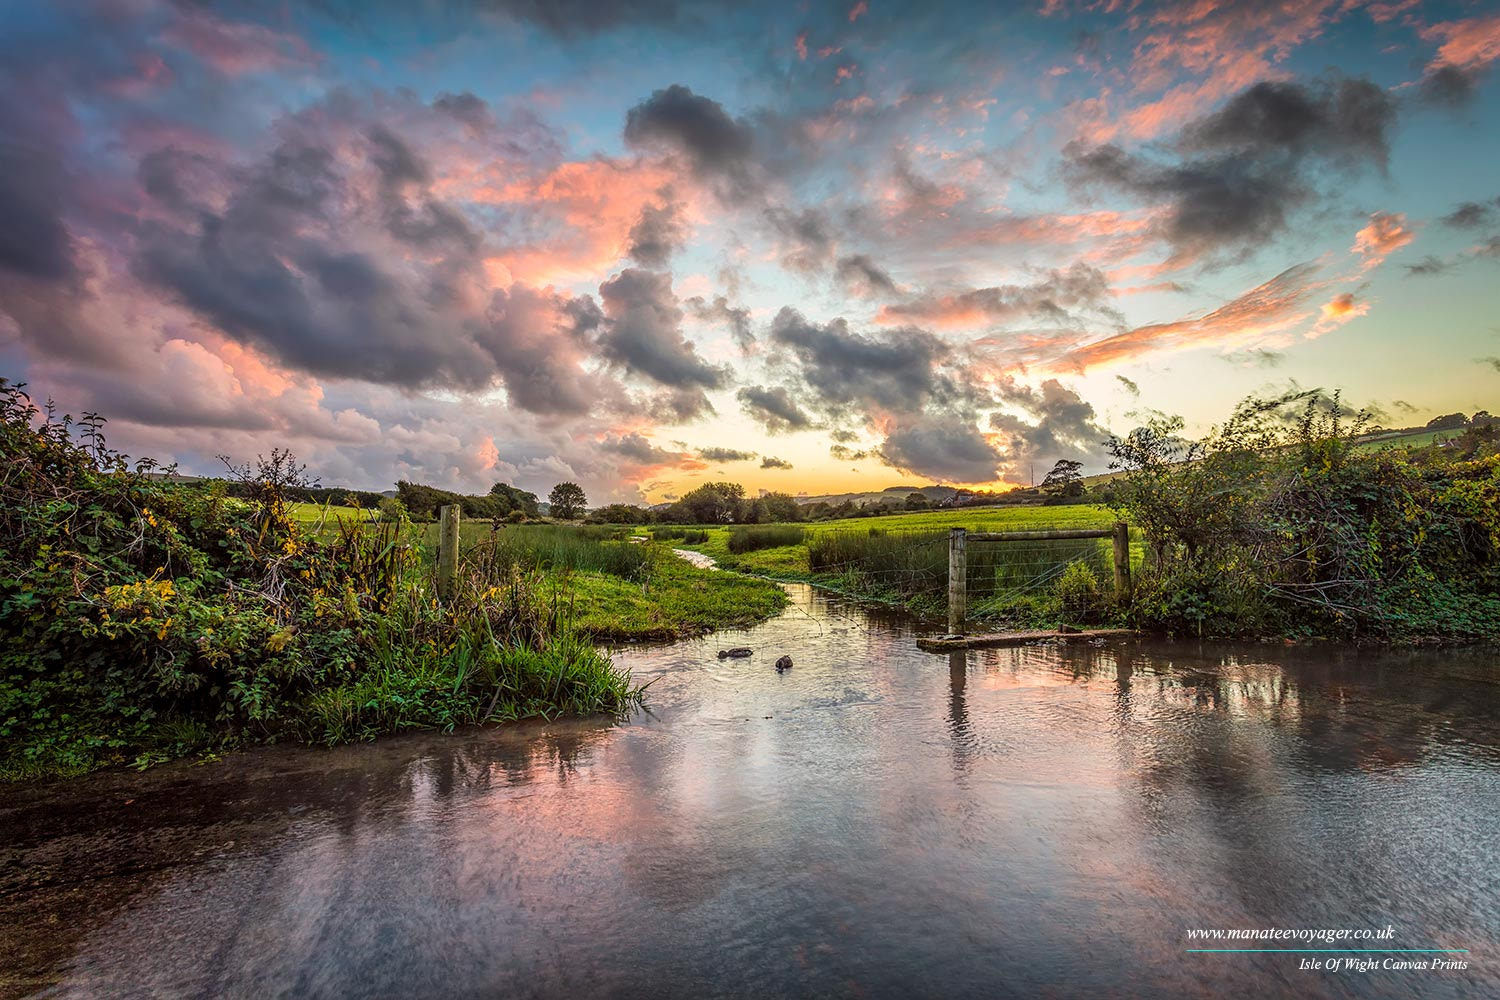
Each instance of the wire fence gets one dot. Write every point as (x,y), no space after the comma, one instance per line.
(915,562)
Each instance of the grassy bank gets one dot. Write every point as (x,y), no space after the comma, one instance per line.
(143,618)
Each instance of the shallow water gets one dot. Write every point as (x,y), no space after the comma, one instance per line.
(875,822)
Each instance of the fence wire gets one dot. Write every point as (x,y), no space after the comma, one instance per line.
(915,562)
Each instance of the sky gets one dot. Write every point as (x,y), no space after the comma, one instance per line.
(808,247)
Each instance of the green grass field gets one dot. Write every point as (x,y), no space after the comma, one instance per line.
(1419,439)
(671,599)
(312,513)
(997,568)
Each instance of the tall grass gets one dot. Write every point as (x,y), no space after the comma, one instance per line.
(688,536)
(752,537)
(501,647)
(542,547)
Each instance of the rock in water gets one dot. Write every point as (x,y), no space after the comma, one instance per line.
(785,663)
(738,652)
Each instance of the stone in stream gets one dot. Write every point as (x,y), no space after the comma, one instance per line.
(738,652)
(785,663)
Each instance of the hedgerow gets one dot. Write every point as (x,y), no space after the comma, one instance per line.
(143,618)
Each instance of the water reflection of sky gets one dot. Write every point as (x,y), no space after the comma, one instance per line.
(875,822)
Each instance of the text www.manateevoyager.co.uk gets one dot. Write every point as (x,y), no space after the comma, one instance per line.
(1324,934)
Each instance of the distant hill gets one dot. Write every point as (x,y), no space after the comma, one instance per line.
(897,494)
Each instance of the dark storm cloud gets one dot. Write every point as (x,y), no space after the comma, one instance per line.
(289,261)
(774,463)
(569,20)
(1052,298)
(862,276)
(1061,425)
(846,454)
(806,235)
(471,110)
(1129,385)
(773,408)
(1224,203)
(658,233)
(1428,266)
(638,449)
(1247,167)
(736,319)
(1492,362)
(894,370)
(642,331)
(1348,119)
(717,147)
(34,186)
(725,455)
(945,446)
(404,174)
(1449,87)
(1469,215)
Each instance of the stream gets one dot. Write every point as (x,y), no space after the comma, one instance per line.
(1044,821)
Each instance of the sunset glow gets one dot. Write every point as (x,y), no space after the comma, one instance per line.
(809,248)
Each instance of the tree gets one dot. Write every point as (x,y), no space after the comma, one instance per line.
(1065,479)
(514,499)
(567,500)
(715,503)
(782,507)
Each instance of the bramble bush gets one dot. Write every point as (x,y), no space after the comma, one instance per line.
(143,618)
(1279,523)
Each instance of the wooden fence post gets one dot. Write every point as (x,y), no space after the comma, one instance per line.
(447,562)
(1122,561)
(958,598)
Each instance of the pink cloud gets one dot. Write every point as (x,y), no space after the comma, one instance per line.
(1383,12)
(236,47)
(1221,45)
(801,47)
(858,10)
(1269,308)
(1336,312)
(1467,44)
(594,203)
(1386,233)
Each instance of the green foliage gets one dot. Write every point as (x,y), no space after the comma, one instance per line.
(621,513)
(1082,598)
(142,617)
(1277,523)
(567,501)
(749,538)
(711,503)
(423,502)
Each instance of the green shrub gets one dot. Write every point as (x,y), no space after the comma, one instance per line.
(753,537)
(1079,593)
(688,536)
